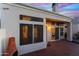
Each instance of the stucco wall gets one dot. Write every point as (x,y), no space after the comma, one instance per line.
(11,21)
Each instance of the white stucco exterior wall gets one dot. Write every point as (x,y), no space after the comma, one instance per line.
(10,18)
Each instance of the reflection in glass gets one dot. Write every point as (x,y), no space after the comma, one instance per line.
(30,18)
(61,31)
(25,34)
(38,33)
(23,17)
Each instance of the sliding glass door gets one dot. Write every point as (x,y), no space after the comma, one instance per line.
(38,33)
(26,34)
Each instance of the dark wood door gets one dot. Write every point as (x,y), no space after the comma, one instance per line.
(57,33)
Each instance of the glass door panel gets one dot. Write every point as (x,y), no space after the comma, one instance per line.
(25,34)
(38,33)
(61,33)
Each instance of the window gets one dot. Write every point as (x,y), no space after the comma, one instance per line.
(25,34)
(29,18)
(23,17)
(38,33)
(61,31)
(30,33)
